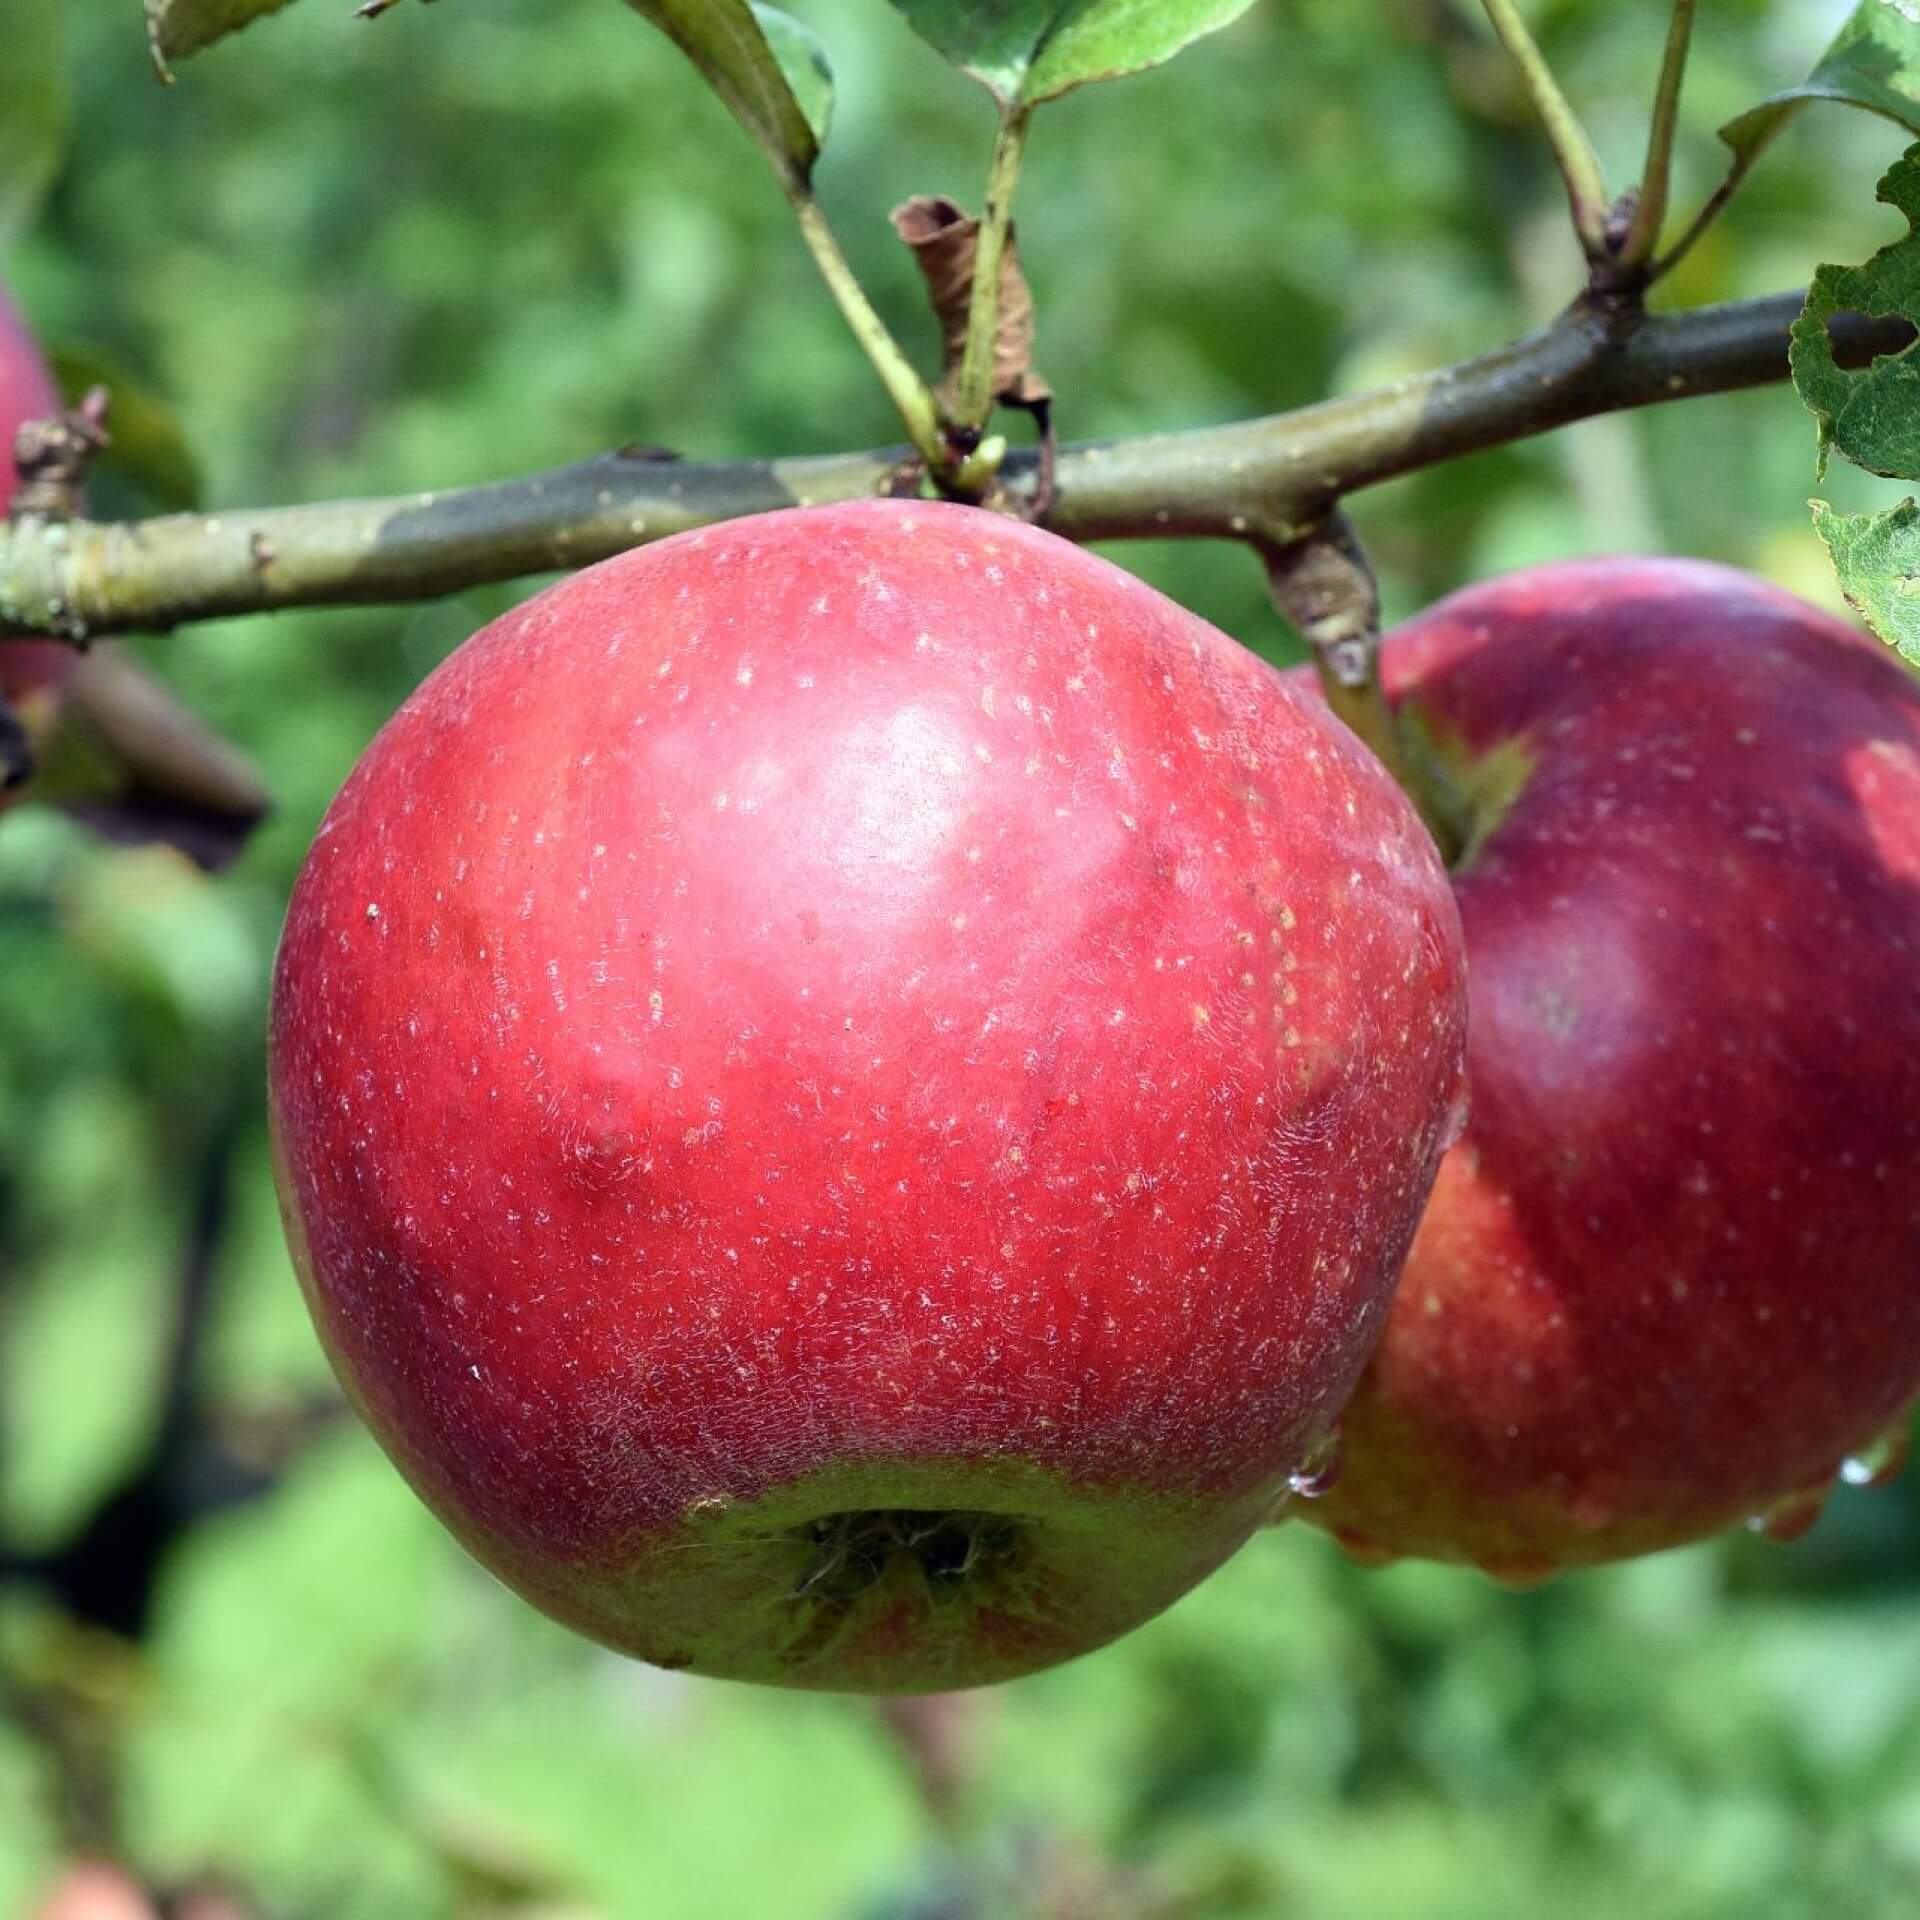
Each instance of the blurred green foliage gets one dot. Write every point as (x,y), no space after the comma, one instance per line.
(472,240)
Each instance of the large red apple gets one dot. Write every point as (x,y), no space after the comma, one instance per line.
(31,671)
(1670,1278)
(850,1090)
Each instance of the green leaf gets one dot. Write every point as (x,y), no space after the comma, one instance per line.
(1871,417)
(176,28)
(148,446)
(753,71)
(33,110)
(803,59)
(1026,51)
(1874,62)
(1877,556)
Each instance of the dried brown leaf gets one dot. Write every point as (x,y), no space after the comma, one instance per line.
(945,240)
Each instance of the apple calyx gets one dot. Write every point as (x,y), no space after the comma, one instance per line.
(856,1549)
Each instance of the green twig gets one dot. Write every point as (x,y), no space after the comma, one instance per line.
(1650,214)
(905,386)
(974,398)
(1572,148)
(1715,206)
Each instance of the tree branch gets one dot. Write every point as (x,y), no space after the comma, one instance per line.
(1267,480)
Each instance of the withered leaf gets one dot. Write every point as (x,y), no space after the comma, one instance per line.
(945,240)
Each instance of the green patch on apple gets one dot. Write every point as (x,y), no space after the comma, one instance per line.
(1476,786)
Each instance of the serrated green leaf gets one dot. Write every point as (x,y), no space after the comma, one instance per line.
(1871,417)
(1026,51)
(1874,63)
(177,28)
(803,59)
(33,110)
(726,41)
(1877,556)
(147,446)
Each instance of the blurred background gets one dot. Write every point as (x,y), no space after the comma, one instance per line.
(476,239)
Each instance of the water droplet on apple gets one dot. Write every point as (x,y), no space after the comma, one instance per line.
(1319,1472)
(1877,1464)
(1792,1518)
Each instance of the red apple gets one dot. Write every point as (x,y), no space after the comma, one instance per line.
(1669,1279)
(31,671)
(850,1089)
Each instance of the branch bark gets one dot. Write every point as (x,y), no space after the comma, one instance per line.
(1268,481)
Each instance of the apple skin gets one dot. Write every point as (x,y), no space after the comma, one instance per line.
(849,1090)
(32,672)
(1669,1280)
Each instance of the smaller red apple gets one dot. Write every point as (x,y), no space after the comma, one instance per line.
(1669,1279)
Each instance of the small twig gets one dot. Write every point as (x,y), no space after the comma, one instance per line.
(1650,208)
(1046,459)
(1715,206)
(1573,150)
(52,457)
(1324,586)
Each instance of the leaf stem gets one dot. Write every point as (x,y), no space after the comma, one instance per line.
(897,374)
(974,394)
(1650,213)
(1572,148)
